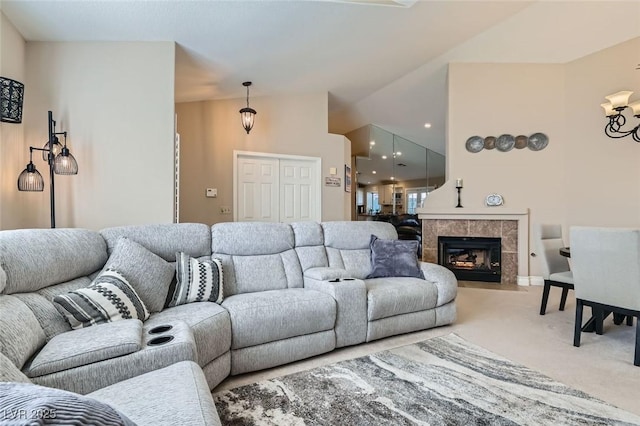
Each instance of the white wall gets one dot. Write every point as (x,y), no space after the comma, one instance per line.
(12,158)
(116,100)
(582,177)
(211,130)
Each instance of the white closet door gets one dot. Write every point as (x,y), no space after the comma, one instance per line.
(257,189)
(298,186)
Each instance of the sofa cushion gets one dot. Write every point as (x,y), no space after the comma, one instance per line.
(174,395)
(20,333)
(86,346)
(267,316)
(387,297)
(60,255)
(394,258)
(164,239)
(26,403)
(108,298)
(196,281)
(355,235)
(9,372)
(148,274)
(208,322)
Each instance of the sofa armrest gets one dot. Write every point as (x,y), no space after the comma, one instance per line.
(84,346)
(177,394)
(351,313)
(179,345)
(444,280)
(326,273)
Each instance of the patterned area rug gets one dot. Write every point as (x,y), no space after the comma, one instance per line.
(440,381)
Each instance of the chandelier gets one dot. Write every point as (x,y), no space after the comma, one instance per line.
(617,103)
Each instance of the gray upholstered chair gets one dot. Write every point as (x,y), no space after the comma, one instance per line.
(606,267)
(555,267)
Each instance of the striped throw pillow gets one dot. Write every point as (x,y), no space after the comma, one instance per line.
(196,281)
(108,298)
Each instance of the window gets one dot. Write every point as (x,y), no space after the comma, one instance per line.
(372,202)
(415,198)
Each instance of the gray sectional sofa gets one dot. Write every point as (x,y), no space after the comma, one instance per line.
(291,291)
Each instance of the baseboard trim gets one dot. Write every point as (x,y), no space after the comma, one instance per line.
(536,280)
(524,280)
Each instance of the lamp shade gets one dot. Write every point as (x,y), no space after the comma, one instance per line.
(30,179)
(608,109)
(247,114)
(57,148)
(65,163)
(635,106)
(619,99)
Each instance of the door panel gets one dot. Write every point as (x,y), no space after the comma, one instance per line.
(298,191)
(258,189)
(277,189)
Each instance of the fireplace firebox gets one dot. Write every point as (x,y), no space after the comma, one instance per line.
(471,258)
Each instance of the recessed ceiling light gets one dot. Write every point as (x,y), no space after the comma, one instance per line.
(384,157)
(368,182)
(427,125)
(372,143)
(392,178)
(398,153)
(374,172)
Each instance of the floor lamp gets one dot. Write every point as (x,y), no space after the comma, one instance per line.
(60,161)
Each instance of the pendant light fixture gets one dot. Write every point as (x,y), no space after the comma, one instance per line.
(247,114)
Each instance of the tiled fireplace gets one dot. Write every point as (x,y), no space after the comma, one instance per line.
(510,226)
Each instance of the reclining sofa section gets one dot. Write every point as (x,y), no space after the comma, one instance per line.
(291,291)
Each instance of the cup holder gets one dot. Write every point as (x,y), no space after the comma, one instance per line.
(161,340)
(348,279)
(160,329)
(337,280)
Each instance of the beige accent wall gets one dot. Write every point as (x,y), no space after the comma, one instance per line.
(12,158)
(116,100)
(211,130)
(582,177)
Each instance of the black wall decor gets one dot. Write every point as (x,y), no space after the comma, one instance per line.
(11,97)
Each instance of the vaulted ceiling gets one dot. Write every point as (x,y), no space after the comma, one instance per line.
(382,62)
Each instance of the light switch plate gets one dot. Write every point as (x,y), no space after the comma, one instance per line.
(212,192)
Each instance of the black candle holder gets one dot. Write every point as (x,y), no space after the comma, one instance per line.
(459,188)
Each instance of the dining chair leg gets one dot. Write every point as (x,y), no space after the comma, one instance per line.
(629,320)
(598,313)
(578,326)
(545,297)
(563,298)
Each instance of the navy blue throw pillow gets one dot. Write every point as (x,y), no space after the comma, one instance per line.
(394,258)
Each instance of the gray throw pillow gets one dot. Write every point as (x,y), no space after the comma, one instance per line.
(108,298)
(149,274)
(394,258)
(29,404)
(196,281)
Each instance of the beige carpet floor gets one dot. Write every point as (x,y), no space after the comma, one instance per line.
(507,323)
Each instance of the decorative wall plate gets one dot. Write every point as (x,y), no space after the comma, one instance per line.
(475,144)
(538,141)
(505,143)
(489,142)
(493,200)
(521,141)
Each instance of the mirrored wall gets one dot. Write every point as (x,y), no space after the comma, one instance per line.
(393,175)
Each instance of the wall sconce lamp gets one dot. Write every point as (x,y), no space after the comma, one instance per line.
(11,97)
(613,110)
(60,161)
(247,114)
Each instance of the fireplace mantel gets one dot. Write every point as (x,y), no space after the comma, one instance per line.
(489,213)
(521,216)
